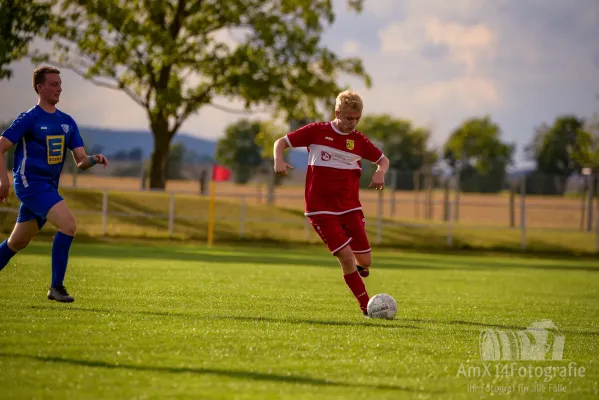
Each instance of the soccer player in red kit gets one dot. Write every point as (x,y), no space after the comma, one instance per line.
(335,151)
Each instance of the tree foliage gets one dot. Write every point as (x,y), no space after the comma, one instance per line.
(476,149)
(20,22)
(558,150)
(238,149)
(172,57)
(404,144)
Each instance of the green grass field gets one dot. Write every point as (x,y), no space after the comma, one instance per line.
(262,323)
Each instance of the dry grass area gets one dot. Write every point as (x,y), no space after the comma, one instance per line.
(551,212)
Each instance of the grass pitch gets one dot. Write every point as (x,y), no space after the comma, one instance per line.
(265,323)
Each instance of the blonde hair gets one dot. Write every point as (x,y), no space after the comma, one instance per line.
(349,100)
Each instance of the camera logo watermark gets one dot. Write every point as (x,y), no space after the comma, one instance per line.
(540,341)
(502,352)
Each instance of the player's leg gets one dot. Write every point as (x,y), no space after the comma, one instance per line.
(355,226)
(332,233)
(63,219)
(25,229)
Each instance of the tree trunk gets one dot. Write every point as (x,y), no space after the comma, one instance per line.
(159,161)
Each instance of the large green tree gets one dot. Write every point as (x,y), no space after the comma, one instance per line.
(20,22)
(238,149)
(270,131)
(557,150)
(170,57)
(406,145)
(476,149)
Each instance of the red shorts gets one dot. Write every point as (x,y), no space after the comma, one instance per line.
(336,231)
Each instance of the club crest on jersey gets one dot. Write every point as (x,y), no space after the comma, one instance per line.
(349,144)
(65,128)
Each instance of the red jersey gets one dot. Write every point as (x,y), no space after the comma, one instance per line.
(334,167)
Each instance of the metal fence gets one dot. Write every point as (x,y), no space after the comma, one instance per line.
(415,199)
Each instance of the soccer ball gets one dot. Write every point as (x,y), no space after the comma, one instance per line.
(382,306)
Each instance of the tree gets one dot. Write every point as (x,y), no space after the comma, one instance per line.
(553,149)
(404,144)
(20,22)
(175,161)
(270,131)
(476,150)
(170,58)
(585,152)
(238,149)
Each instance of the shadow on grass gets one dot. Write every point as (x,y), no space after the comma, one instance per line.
(491,326)
(244,375)
(366,324)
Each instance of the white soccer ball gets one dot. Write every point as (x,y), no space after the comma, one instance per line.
(382,306)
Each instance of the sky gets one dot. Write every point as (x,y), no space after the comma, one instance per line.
(435,62)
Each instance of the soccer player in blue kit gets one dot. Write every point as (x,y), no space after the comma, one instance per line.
(41,136)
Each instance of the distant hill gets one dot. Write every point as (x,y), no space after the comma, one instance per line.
(111,141)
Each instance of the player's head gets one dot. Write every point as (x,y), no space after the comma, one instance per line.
(348,110)
(47,84)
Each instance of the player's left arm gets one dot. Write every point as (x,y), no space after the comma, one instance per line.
(83,160)
(375,155)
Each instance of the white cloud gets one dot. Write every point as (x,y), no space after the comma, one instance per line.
(467,43)
(467,94)
(350,47)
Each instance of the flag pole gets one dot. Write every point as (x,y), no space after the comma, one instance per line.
(211,209)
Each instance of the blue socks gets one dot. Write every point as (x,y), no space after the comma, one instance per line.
(5,254)
(60,257)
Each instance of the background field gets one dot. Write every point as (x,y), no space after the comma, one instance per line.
(245,323)
(475,209)
(242,215)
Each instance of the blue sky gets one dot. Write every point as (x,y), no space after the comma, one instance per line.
(435,62)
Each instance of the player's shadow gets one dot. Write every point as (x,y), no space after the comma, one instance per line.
(227,373)
(365,324)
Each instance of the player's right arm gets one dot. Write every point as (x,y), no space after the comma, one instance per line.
(9,137)
(301,137)
(279,152)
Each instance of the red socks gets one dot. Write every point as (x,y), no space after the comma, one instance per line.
(356,285)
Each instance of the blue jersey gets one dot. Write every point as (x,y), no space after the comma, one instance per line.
(41,140)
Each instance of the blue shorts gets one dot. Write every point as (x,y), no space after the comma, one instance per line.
(36,201)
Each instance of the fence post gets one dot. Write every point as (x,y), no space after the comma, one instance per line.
(393,188)
(142,176)
(104,211)
(429,194)
(523,212)
(449,215)
(242,218)
(379,232)
(416,178)
(456,207)
(171,215)
(512,206)
(591,180)
(271,188)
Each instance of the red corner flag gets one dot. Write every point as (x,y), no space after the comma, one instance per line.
(220,173)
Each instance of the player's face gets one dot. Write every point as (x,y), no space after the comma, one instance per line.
(50,90)
(348,119)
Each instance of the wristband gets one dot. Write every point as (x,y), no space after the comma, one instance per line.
(92,161)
